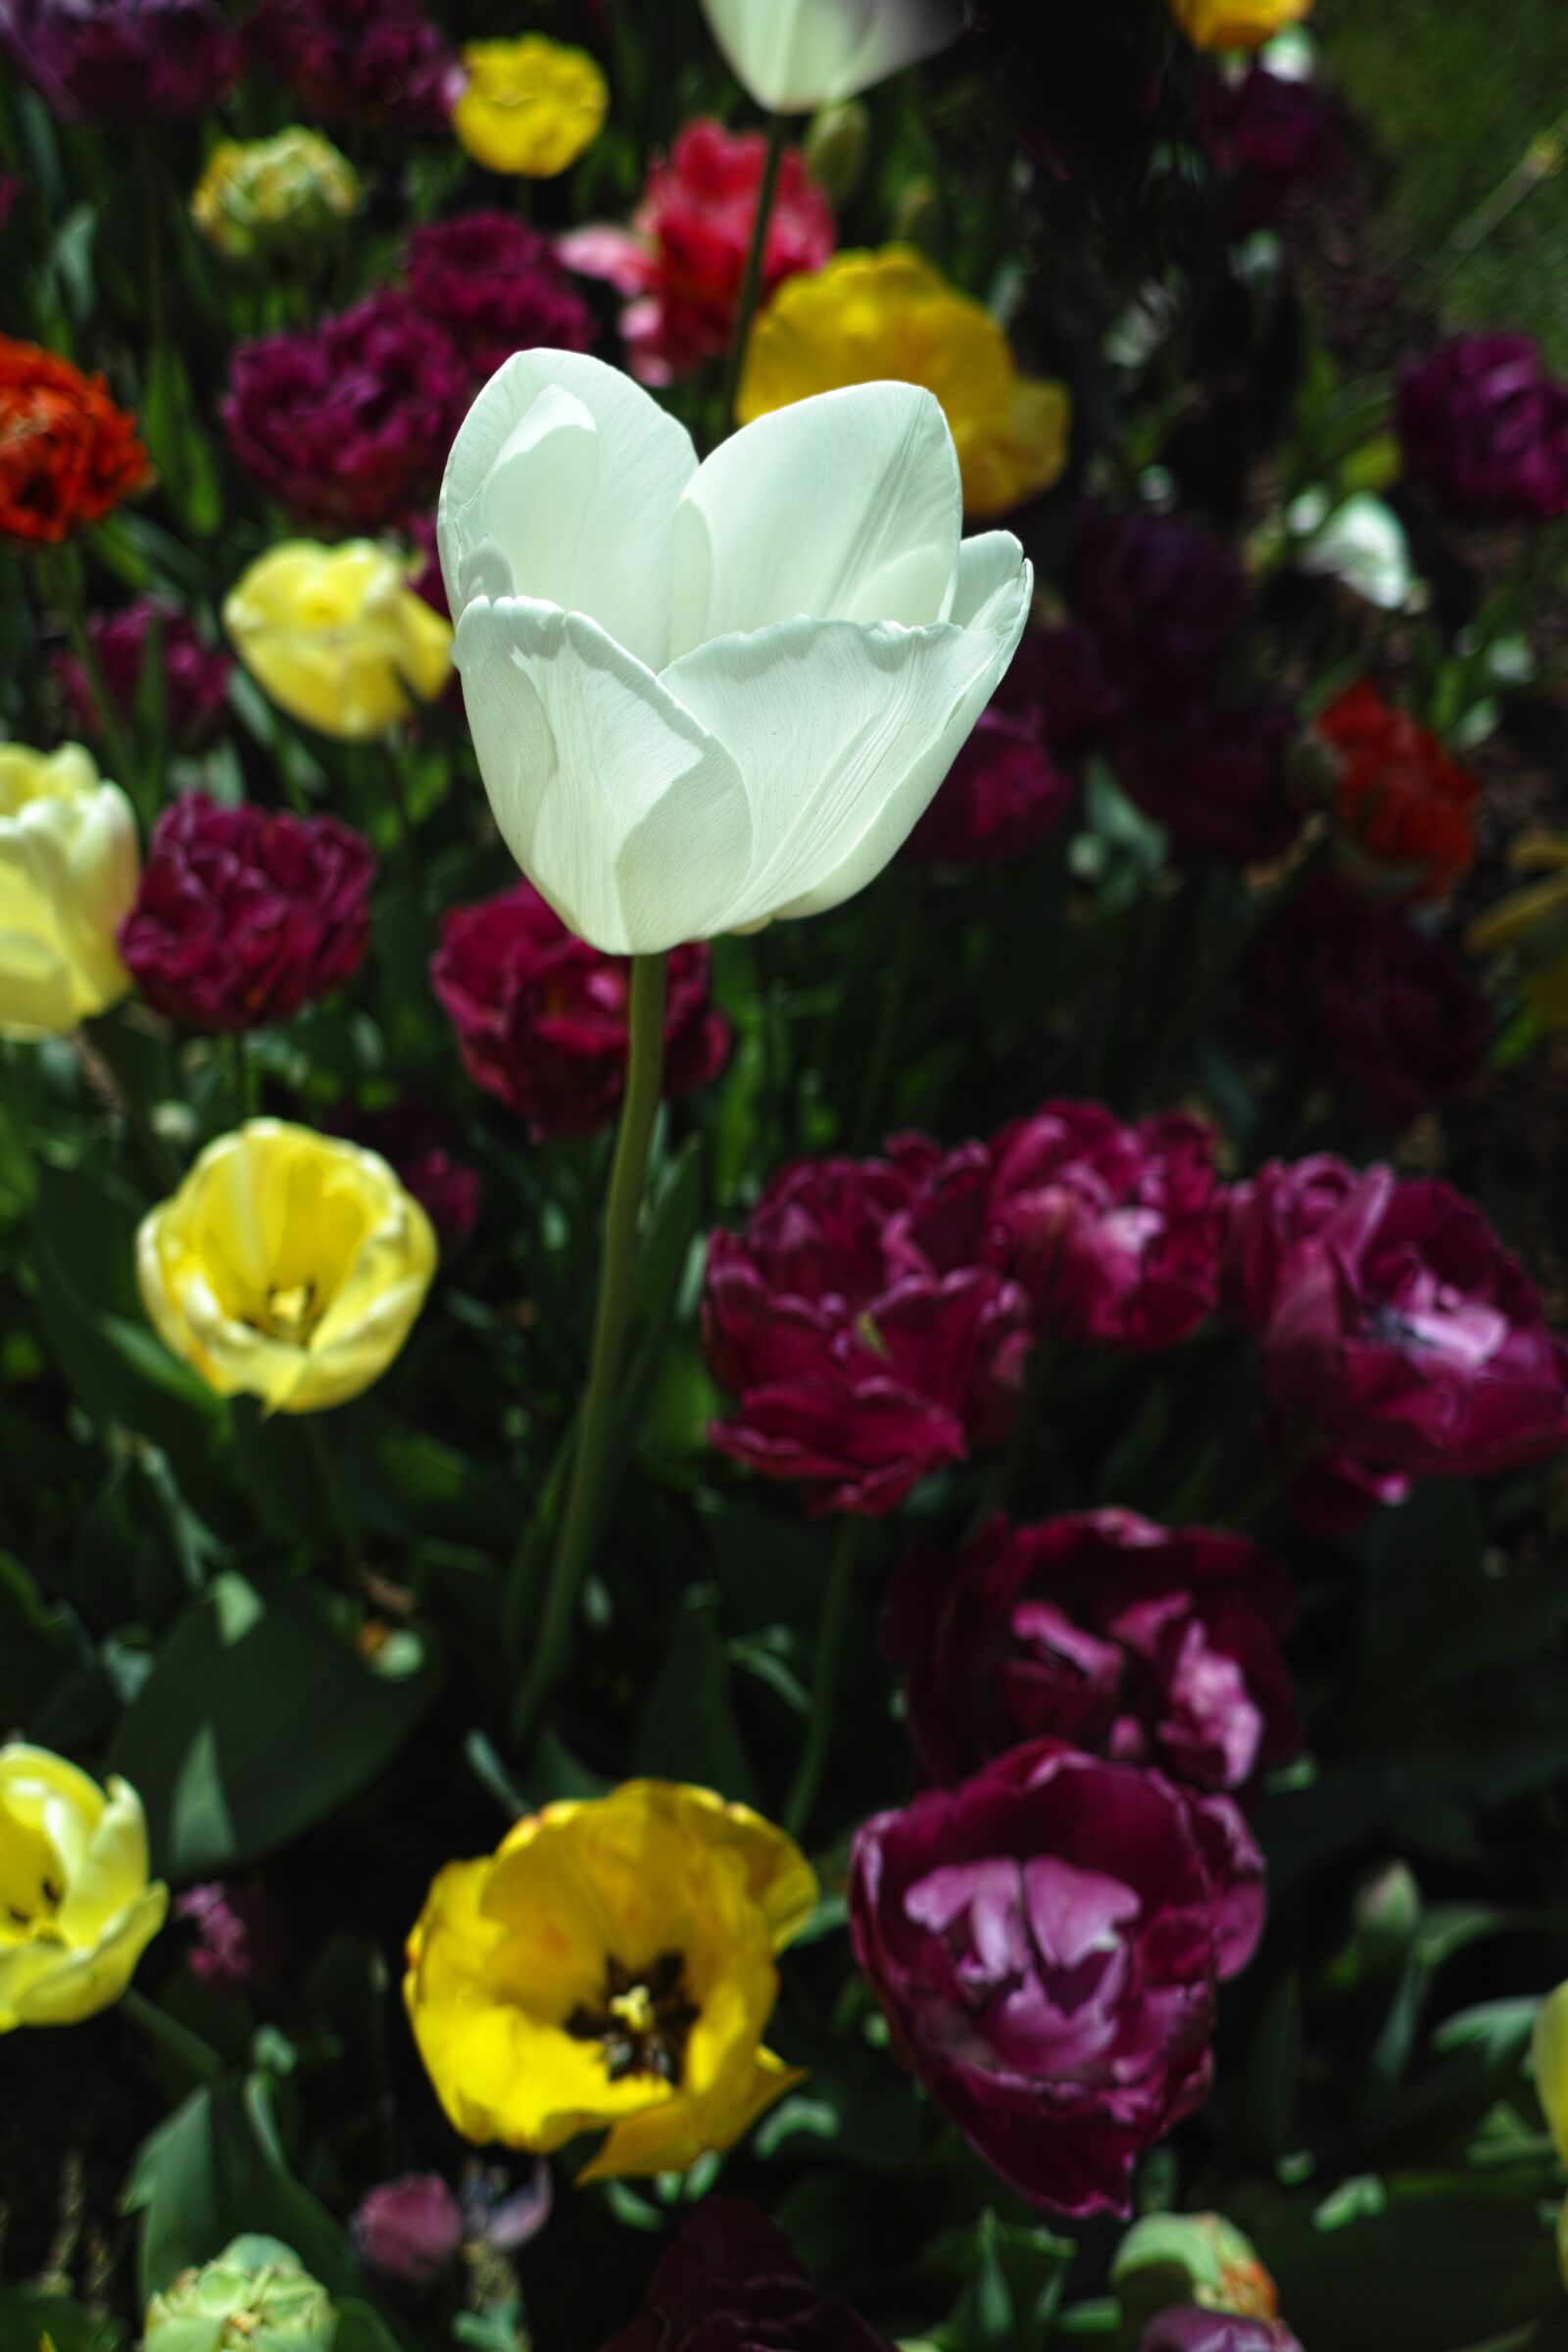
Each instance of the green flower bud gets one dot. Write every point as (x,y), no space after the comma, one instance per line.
(253,2297)
(276,201)
(1201,2258)
(837,142)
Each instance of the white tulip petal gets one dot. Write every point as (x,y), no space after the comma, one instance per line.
(574,474)
(793,55)
(990,568)
(848,507)
(843,735)
(616,803)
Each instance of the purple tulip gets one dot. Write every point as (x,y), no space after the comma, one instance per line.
(1165,601)
(1190,2328)
(241,1938)
(245,914)
(494,287)
(195,675)
(865,1342)
(1147,1645)
(1217,779)
(350,423)
(732,2282)
(122,58)
(408,2229)
(1112,1230)
(346,61)
(1046,1940)
(1411,1338)
(1485,427)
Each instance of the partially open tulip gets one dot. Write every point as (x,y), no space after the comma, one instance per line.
(889,315)
(77,1907)
(281,201)
(793,55)
(703,697)
(611,1964)
(69,867)
(337,636)
(288,1266)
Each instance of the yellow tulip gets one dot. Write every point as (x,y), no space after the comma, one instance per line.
(1535,921)
(611,1964)
(70,863)
(337,637)
(77,1907)
(1237,24)
(288,1266)
(872,317)
(529,107)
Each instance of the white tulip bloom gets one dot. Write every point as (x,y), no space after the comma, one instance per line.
(706,696)
(793,55)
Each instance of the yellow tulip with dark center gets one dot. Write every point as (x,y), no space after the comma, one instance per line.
(77,1906)
(889,316)
(288,1266)
(611,1966)
(1237,24)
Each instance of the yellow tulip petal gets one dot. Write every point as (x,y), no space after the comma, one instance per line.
(76,1910)
(670,2139)
(529,107)
(1550,2055)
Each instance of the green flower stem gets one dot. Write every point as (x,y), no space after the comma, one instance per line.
(810,1772)
(105,1043)
(586,1496)
(752,283)
(169,2038)
(324,1462)
(61,584)
(239,1071)
(884,1054)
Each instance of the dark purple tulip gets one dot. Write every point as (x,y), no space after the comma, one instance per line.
(1046,1940)
(732,2282)
(350,423)
(195,675)
(1112,1228)
(1164,600)
(1269,132)
(1003,794)
(1486,427)
(1146,1645)
(1381,1008)
(1064,672)
(496,287)
(1217,779)
(122,58)
(543,1018)
(246,915)
(1413,1341)
(346,61)
(416,1144)
(865,1342)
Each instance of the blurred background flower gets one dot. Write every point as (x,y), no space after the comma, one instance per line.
(80,1908)
(338,637)
(528,107)
(68,865)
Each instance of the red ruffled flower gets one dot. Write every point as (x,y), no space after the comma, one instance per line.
(348,61)
(496,287)
(1403,805)
(67,456)
(542,1018)
(684,257)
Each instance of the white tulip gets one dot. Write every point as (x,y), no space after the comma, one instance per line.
(793,55)
(703,697)
(70,863)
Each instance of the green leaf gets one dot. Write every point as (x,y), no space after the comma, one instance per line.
(688,1729)
(258,1719)
(26,2316)
(1426,2277)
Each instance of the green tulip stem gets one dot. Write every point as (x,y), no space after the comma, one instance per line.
(812,1767)
(323,1461)
(61,584)
(239,1071)
(879,1080)
(105,1046)
(586,1491)
(169,2038)
(752,283)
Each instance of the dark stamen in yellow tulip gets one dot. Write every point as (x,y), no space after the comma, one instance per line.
(644,2021)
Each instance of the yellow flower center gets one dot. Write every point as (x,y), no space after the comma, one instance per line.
(643,2022)
(30,1893)
(290,1313)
